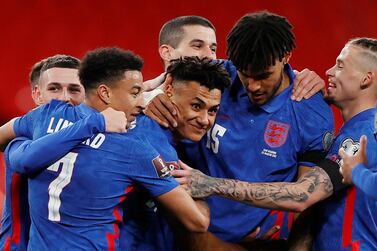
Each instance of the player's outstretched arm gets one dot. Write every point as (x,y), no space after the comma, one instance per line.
(179,203)
(7,134)
(311,187)
(33,156)
(306,84)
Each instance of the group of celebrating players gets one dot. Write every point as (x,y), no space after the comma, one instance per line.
(211,155)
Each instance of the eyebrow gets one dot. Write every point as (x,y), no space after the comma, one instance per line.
(204,103)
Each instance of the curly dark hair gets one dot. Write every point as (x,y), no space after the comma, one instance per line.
(207,72)
(107,65)
(259,39)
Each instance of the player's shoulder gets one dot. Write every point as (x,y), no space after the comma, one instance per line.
(133,144)
(314,107)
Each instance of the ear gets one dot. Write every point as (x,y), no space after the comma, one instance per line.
(367,80)
(36,95)
(168,89)
(287,57)
(104,94)
(166,52)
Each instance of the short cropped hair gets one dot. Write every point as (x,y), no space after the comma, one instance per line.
(369,46)
(107,65)
(61,61)
(259,39)
(172,31)
(35,73)
(207,72)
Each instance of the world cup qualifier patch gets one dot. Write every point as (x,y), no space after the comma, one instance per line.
(350,146)
(276,133)
(163,168)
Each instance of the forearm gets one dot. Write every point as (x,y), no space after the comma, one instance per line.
(365,180)
(34,156)
(313,186)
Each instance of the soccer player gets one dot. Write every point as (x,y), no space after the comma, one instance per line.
(195,92)
(59,80)
(196,36)
(348,220)
(111,78)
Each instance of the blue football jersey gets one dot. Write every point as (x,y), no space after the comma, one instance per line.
(75,203)
(257,144)
(146,229)
(349,218)
(15,221)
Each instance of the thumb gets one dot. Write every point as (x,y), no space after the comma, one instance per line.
(363,149)
(183,165)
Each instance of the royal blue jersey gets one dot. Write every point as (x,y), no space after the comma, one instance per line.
(257,144)
(146,227)
(75,203)
(15,221)
(365,179)
(349,218)
(20,161)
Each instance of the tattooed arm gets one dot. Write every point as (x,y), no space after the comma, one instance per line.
(313,186)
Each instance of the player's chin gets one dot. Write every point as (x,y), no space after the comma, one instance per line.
(195,135)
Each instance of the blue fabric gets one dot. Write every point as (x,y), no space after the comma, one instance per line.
(365,180)
(257,144)
(94,178)
(363,212)
(146,229)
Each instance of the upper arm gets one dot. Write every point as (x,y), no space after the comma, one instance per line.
(316,126)
(183,207)
(6,134)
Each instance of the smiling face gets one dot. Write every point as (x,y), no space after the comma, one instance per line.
(196,107)
(126,95)
(262,86)
(61,84)
(345,77)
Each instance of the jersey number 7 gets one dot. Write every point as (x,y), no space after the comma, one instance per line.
(56,187)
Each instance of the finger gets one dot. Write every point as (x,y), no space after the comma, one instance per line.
(363,149)
(181,181)
(180,173)
(341,170)
(154,114)
(168,110)
(183,165)
(251,236)
(306,86)
(342,153)
(317,86)
(270,233)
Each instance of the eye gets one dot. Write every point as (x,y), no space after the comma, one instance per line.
(213,111)
(75,90)
(53,88)
(213,49)
(196,107)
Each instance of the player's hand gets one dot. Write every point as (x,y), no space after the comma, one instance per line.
(306,84)
(349,162)
(183,174)
(161,109)
(152,84)
(266,236)
(115,121)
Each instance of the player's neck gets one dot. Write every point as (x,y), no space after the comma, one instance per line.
(355,107)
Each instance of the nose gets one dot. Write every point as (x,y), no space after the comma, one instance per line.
(140,102)
(66,97)
(203,119)
(330,72)
(252,85)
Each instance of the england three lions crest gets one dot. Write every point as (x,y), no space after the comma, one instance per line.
(276,133)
